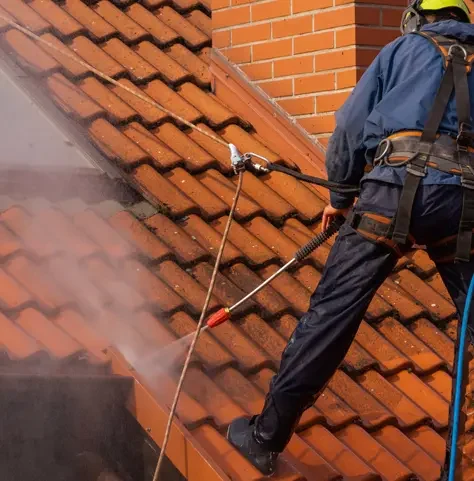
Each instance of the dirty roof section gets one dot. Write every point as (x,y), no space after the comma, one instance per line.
(137,275)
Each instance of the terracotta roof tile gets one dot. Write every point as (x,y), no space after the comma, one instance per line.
(374,454)
(25,15)
(186,250)
(72,68)
(139,70)
(255,250)
(422,357)
(357,360)
(441,382)
(190,62)
(407,308)
(129,30)
(437,284)
(56,341)
(193,37)
(118,111)
(200,20)
(337,454)
(9,243)
(423,396)
(154,290)
(210,240)
(135,232)
(421,263)
(17,343)
(409,453)
(170,70)
(188,4)
(195,158)
(59,19)
(408,414)
(96,26)
(336,411)
(72,100)
(29,54)
(160,30)
(183,284)
(431,442)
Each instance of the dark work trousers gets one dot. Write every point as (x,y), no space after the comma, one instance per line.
(355,269)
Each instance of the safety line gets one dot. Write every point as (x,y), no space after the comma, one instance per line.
(199,326)
(111,80)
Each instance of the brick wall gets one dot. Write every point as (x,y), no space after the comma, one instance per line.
(306,54)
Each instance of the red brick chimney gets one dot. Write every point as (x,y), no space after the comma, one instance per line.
(305,54)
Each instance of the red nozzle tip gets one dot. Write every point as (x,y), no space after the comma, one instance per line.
(219,317)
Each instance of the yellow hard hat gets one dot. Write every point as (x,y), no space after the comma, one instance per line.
(413,19)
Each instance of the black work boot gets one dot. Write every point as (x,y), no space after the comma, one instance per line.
(241,435)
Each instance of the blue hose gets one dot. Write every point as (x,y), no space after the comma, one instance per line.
(459,373)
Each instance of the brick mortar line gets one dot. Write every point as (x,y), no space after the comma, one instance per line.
(322,72)
(323,93)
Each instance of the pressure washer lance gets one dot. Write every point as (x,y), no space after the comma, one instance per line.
(224,314)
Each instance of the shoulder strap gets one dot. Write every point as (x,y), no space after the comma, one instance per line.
(443,44)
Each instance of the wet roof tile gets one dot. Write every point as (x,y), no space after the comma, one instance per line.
(431,442)
(9,242)
(26,15)
(59,19)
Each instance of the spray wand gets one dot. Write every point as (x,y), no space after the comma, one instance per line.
(224,313)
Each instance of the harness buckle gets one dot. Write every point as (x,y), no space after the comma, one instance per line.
(457,46)
(417,170)
(385,146)
(468,184)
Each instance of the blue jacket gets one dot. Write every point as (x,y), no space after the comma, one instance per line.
(395,93)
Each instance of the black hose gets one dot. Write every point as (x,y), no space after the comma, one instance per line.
(332,186)
(318,240)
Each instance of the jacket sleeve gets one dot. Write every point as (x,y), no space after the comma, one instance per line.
(345,155)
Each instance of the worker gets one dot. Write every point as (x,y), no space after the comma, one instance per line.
(407,141)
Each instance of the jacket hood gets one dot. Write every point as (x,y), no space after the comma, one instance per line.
(464,32)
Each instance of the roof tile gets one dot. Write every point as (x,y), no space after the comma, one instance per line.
(73,69)
(170,70)
(374,454)
(161,31)
(209,350)
(407,308)
(150,114)
(193,37)
(308,276)
(212,109)
(188,4)
(103,234)
(200,20)
(94,23)
(157,293)
(407,413)
(9,243)
(357,359)
(337,454)
(97,57)
(389,358)
(437,284)
(129,30)
(441,382)
(218,404)
(139,70)
(165,193)
(17,343)
(4,25)
(211,206)
(78,329)
(118,111)
(210,240)
(191,63)
(255,250)
(61,21)
(72,100)
(268,299)
(135,232)
(409,453)
(162,157)
(422,263)
(422,357)
(115,145)
(336,411)
(25,15)
(422,395)
(371,412)
(44,290)
(195,158)
(172,101)
(58,343)
(149,326)
(185,286)
(435,304)
(430,441)
(184,247)
(30,55)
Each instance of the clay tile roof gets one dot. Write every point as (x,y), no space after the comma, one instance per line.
(135,275)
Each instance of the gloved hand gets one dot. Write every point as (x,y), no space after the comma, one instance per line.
(330,213)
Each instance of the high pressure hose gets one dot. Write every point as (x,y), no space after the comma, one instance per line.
(459,380)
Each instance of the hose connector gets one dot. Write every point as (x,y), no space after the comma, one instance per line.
(237,160)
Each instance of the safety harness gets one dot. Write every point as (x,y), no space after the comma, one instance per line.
(419,150)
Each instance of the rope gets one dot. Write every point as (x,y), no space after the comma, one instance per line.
(111,80)
(199,327)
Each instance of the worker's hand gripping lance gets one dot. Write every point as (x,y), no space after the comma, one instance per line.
(240,163)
